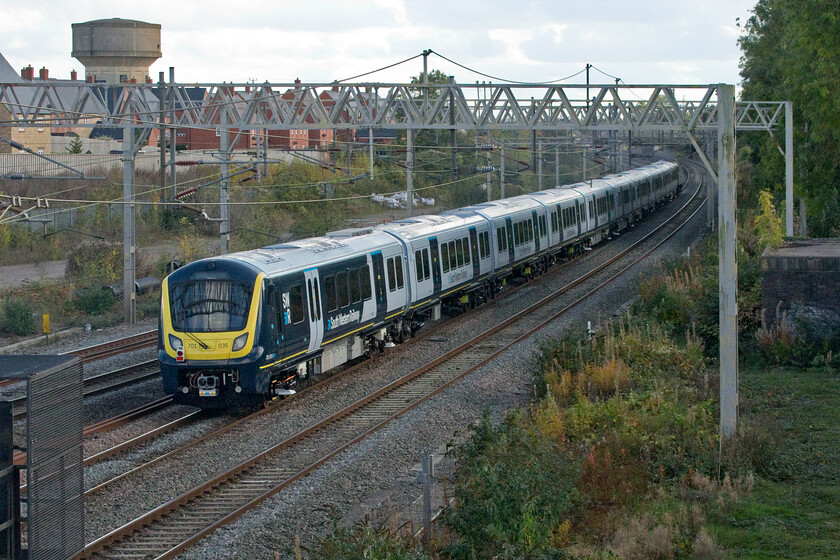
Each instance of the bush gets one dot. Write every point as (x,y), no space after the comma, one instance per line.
(16,316)
(94,301)
(515,492)
(365,541)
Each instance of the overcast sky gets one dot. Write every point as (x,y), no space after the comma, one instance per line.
(640,41)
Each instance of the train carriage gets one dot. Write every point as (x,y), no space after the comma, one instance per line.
(247,326)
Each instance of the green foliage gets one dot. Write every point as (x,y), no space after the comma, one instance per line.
(791,51)
(792,511)
(515,492)
(768,224)
(94,263)
(365,541)
(76,146)
(94,301)
(16,317)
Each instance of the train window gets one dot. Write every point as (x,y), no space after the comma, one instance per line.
(418,265)
(554,227)
(210,305)
(459,252)
(329,289)
(317,301)
(453,257)
(343,294)
(542,226)
(399,267)
(531,226)
(364,277)
(500,240)
(425,259)
(591,210)
(484,245)
(467,251)
(353,280)
(311,301)
(392,276)
(296,304)
(444,256)
(612,202)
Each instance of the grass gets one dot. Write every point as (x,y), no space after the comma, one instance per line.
(794,511)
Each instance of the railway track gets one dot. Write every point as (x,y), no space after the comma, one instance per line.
(101,383)
(174,526)
(116,347)
(108,349)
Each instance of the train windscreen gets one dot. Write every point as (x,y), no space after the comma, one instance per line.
(209,305)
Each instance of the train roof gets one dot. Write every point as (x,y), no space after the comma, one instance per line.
(429,224)
(497,208)
(306,253)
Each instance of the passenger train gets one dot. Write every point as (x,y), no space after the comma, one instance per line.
(245,327)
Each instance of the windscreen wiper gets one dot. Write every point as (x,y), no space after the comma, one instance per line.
(195,338)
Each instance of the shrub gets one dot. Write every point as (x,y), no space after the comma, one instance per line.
(514,490)
(365,541)
(94,301)
(17,317)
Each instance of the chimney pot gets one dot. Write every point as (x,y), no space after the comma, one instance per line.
(74,75)
(44,74)
(89,78)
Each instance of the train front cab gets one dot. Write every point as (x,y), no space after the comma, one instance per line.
(211,323)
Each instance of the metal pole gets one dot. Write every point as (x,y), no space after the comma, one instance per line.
(409,170)
(129,250)
(370,150)
(172,136)
(588,66)
(533,150)
(489,178)
(162,135)
(428,473)
(349,154)
(583,164)
(502,174)
(728,279)
(265,153)
(803,218)
(557,165)
(224,184)
(453,165)
(425,81)
(540,166)
(789,168)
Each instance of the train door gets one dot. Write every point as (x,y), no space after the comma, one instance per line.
(511,247)
(560,225)
(294,330)
(536,230)
(313,298)
(475,255)
(580,215)
(273,316)
(379,283)
(433,247)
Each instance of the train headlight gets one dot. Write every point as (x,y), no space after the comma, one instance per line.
(239,342)
(178,346)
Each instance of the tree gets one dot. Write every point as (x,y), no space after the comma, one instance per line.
(791,51)
(435,77)
(75,146)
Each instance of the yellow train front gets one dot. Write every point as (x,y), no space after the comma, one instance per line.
(213,336)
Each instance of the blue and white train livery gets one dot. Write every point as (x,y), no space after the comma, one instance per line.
(244,327)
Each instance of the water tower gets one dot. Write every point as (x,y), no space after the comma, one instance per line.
(116,50)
